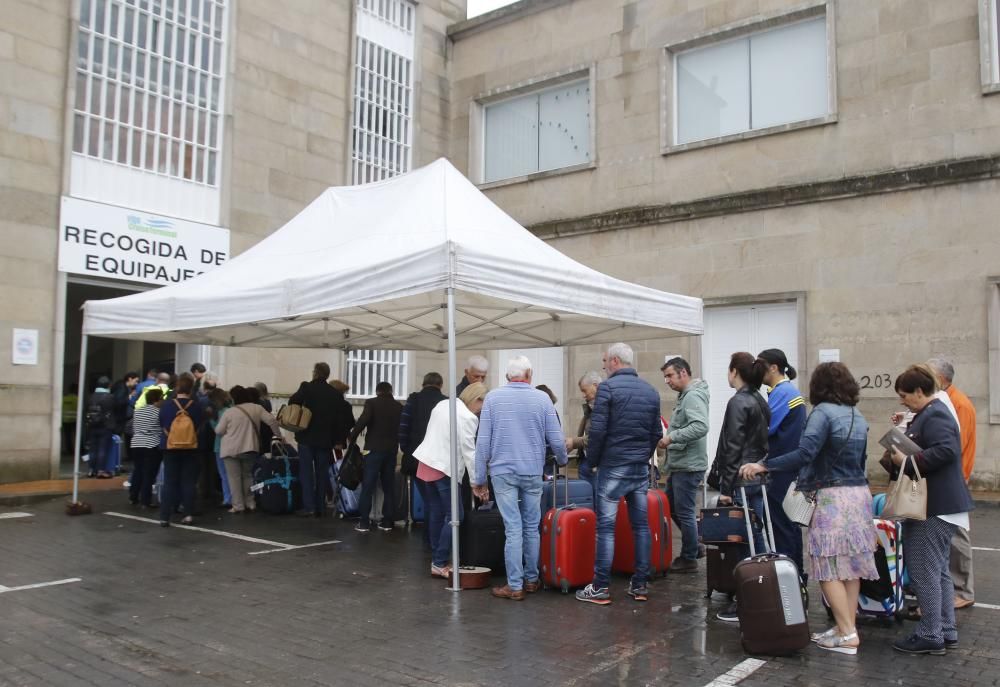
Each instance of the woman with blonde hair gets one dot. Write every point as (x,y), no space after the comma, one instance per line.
(434,468)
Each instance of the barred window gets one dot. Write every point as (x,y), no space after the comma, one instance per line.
(149,83)
(365,369)
(382,127)
(382,144)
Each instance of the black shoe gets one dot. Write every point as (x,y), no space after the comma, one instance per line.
(951,643)
(730,615)
(683,565)
(638,592)
(384,527)
(917,645)
(164,523)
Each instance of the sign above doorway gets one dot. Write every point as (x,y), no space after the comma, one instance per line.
(103,240)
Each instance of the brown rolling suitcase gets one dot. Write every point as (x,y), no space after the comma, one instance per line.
(769,596)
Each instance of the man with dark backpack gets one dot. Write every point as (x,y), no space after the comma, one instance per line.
(180,418)
(100,418)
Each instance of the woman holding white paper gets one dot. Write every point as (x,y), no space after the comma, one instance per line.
(928,542)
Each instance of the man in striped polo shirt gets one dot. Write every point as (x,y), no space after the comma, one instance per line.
(516,425)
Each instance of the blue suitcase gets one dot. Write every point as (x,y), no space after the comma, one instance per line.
(417,506)
(725,525)
(581,494)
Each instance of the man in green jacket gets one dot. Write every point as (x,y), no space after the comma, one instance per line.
(687,457)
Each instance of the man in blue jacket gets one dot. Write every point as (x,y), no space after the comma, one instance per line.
(624,429)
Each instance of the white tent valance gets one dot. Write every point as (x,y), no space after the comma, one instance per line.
(367,267)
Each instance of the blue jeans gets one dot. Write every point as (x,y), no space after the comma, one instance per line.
(787,534)
(314,466)
(378,465)
(439,519)
(180,476)
(519,498)
(99,447)
(221,467)
(632,482)
(682,492)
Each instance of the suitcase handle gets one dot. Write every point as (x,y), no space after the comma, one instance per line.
(768,530)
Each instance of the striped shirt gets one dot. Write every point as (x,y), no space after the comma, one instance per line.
(515,425)
(146,430)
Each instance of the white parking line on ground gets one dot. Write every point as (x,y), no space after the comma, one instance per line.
(231,535)
(11,516)
(738,673)
(277,545)
(68,580)
(983,548)
(992,607)
(292,548)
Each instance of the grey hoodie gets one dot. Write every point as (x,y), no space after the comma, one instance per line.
(688,431)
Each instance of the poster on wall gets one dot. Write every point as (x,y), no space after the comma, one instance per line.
(100,240)
(25,347)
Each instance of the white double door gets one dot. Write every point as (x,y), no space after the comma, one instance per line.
(731,329)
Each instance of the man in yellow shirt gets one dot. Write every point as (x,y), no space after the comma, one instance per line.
(961,545)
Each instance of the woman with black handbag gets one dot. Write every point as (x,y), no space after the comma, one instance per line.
(928,542)
(830,461)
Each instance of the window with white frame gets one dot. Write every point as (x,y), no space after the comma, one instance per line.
(989,39)
(544,130)
(149,82)
(382,143)
(752,82)
(365,369)
(382,128)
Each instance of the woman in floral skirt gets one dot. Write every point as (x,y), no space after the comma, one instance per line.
(830,461)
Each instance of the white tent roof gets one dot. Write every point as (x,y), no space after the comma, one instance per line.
(367,266)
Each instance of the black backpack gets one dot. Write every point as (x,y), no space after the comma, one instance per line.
(98,414)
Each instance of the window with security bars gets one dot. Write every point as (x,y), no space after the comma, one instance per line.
(365,369)
(382,143)
(149,82)
(382,127)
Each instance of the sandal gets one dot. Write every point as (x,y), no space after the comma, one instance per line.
(838,644)
(816,636)
(443,571)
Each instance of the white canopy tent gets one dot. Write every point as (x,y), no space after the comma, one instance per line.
(422,261)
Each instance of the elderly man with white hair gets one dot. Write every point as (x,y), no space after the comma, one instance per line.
(624,429)
(475,371)
(517,427)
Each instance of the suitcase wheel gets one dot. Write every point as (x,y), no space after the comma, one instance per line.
(564,587)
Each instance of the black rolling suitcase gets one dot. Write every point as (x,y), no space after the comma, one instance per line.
(769,595)
(276,487)
(482,538)
(720,561)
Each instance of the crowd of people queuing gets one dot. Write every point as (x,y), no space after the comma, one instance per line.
(507,436)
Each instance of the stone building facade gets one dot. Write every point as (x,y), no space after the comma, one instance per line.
(846,209)
(284,97)
(858,221)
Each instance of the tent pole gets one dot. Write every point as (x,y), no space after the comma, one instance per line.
(80,395)
(453,430)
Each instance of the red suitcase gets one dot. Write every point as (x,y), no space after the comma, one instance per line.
(568,546)
(660,534)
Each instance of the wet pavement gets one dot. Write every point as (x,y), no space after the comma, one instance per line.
(177,606)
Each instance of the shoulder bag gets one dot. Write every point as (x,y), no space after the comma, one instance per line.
(907,496)
(294,417)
